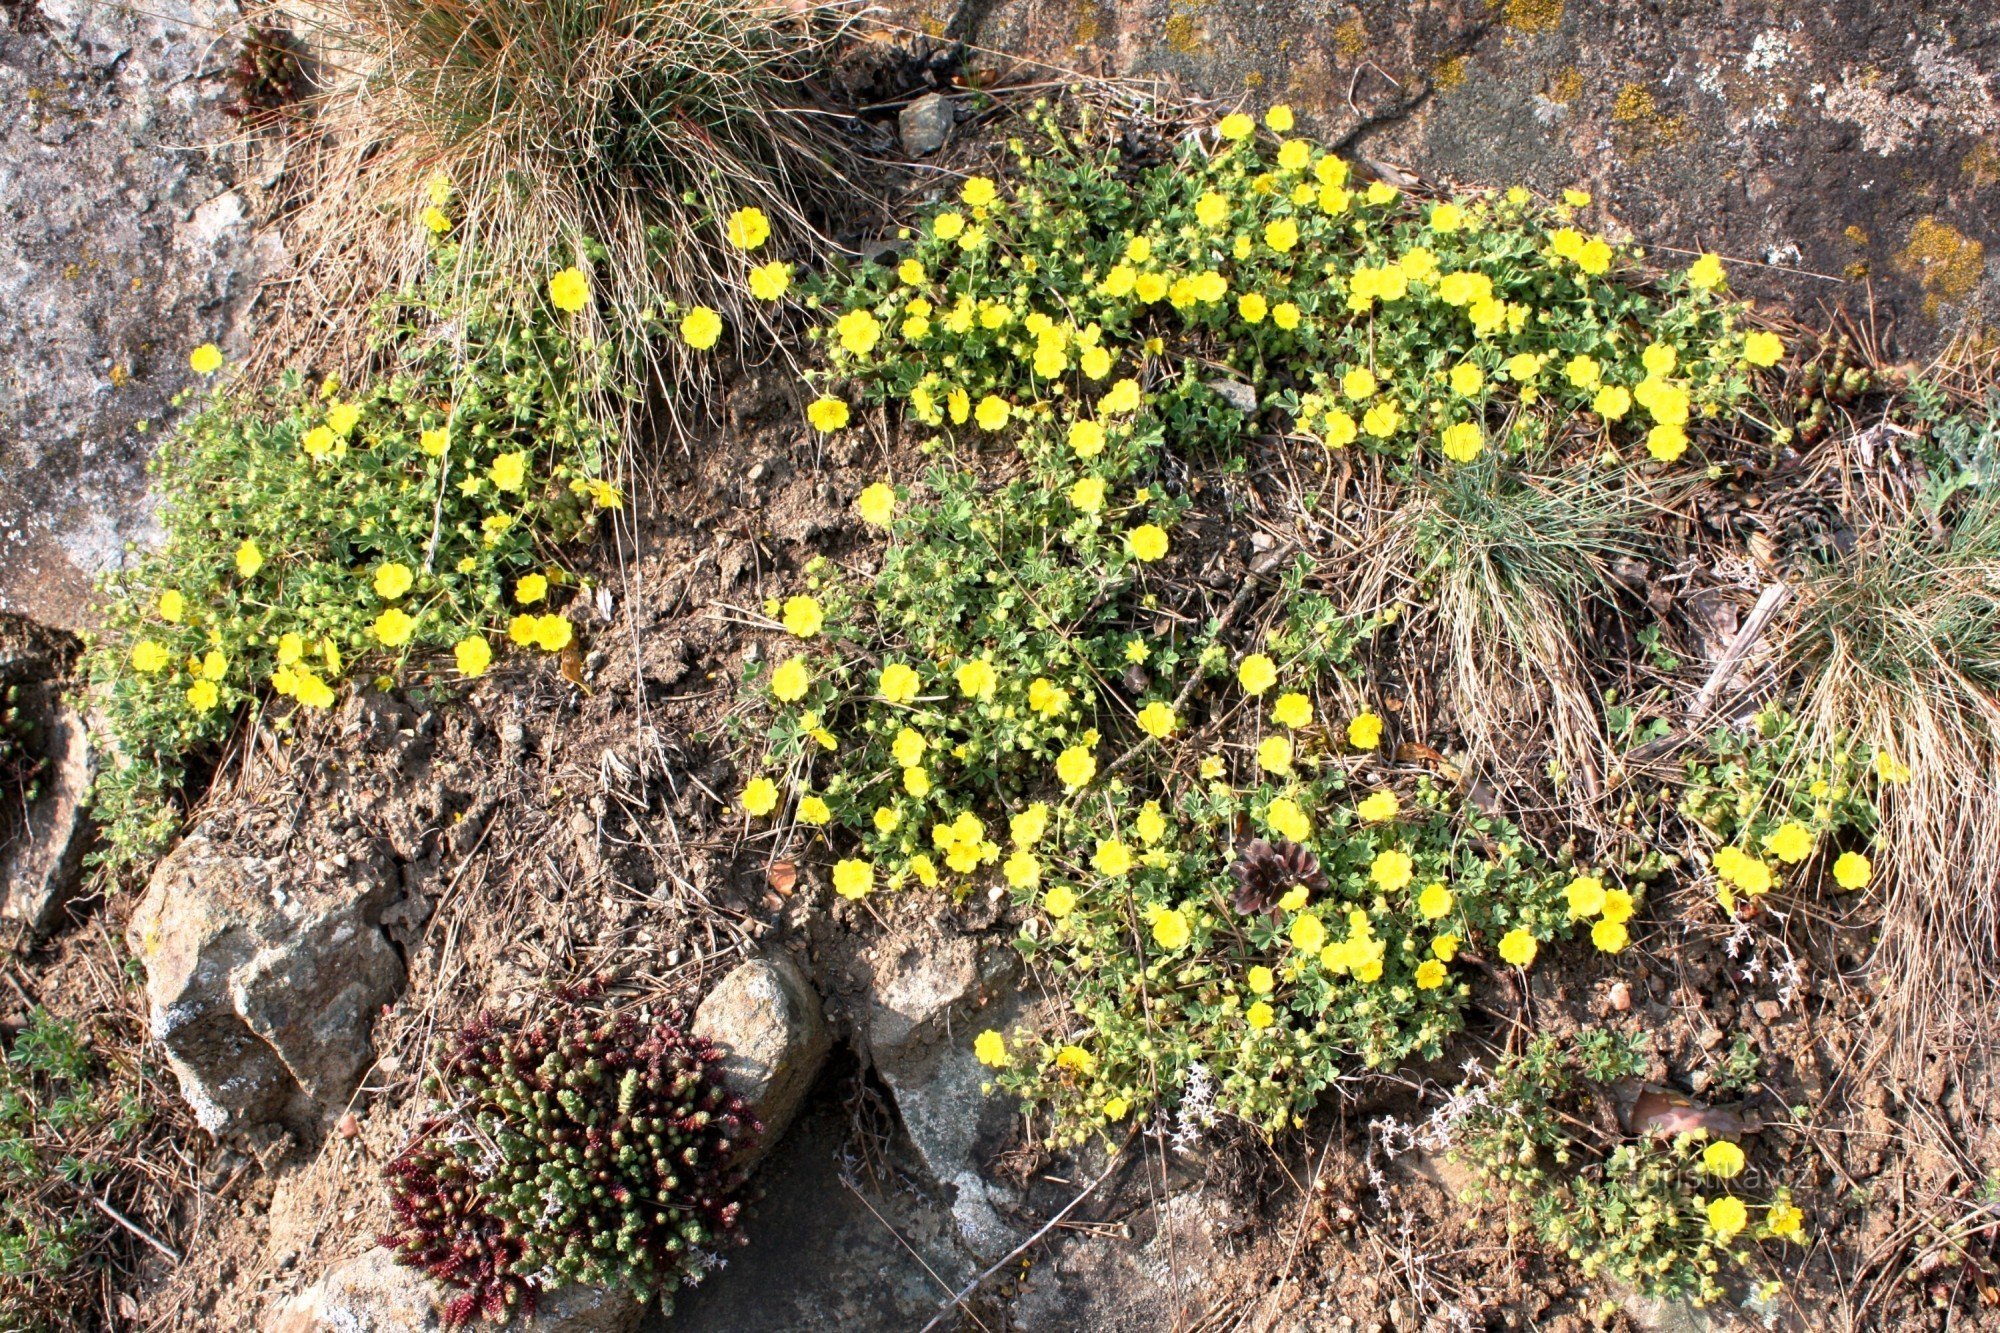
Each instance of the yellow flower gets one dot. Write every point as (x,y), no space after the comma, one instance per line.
(1288,821)
(436,219)
(1157,719)
(917,782)
(700,328)
(1852,871)
(1292,710)
(148,656)
(976,678)
(1435,902)
(979,191)
(1586,896)
(1058,902)
(474,655)
(1279,119)
(1727,1216)
(204,695)
(908,747)
(1211,210)
(311,691)
(1046,697)
(1151,824)
(1659,358)
(1365,731)
(1112,857)
(569,290)
(1257,674)
(1463,441)
(530,588)
(1095,362)
(434,441)
(1236,127)
(828,414)
(393,628)
(1378,806)
(1259,1015)
(990,1048)
(1784,1221)
(790,681)
(1359,384)
(1446,218)
(1762,349)
(1666,442)
(1121,397)
(1430,974)
(1445,948)
(521,629)
(1791,843)
(1086,438)
(947,226)
(1612,402)
(1281,234)
(858,332)
(1076,1058)
(1382,420)
(803,616)
(249,559)
(1610,936)
(853,878)
(1076,766)
(172,606)
(992,412)
(509,471)
(1170,929)
(214,666)
(1391,870)
(1889,769)
(899,685)
(1307,932)
(1380,193)
(1253,307)
(206,359)
(1617,906)
(553,633)
(814,810)
(1706,274)
(1518,947)
(1088,494)
(748,228)
(317,443)
(1212,767)
(1115,1108)
(1147,542)
(768,282)
(1274,754)
(1467,379)
(393,580)
(1722,1158)
(1285,315)
(1583,371)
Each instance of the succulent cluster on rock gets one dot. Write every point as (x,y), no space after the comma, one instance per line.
(578,1149)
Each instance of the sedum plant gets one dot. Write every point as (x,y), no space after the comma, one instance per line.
(575,1150)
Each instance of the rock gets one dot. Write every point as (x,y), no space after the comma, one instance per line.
(1234,392)
(925,124)
(372,1293)
(927,1000)
(264,989)
(766,1020)
(128,243)
(43,841)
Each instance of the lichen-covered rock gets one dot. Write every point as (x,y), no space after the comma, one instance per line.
(45,826)
(372,1293)
(765,1019)
(925,124)
(265,977)
(128,240)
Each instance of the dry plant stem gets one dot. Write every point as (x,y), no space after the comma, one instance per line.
(1769,603)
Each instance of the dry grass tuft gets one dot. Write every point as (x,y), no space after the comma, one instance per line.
(614,135)
(1898,645)
(1513,562)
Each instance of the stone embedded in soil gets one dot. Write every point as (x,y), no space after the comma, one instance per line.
(264,981)
(925,124)
(42,843)
(927,1000)
(766,1020)
(372,1293)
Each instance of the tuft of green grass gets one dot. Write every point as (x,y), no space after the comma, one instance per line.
(619,137)
(1513,561)
(1898,647)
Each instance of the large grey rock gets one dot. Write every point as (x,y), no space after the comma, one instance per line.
(766,1020)
(264,978)
(927,999)
(127,242)
(372,1293)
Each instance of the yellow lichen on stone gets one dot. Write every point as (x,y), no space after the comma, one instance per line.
(1634,104)
(1350,39)
(1448,74)
(1534,15)
(1566,86)
(1183,34)
(1856,233)
(1946,261)
(1982,164)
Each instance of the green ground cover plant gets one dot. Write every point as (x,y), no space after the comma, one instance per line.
(1213,871)
(317,529)
(64,1122)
